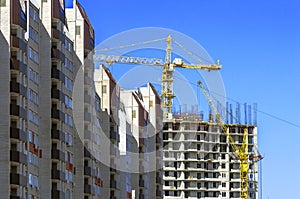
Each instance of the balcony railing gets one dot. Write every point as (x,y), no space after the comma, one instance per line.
(18,134)
(17,156)
(18,111)
(18,179)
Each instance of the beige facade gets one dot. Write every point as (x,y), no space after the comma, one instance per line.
(44,152)
(138,122)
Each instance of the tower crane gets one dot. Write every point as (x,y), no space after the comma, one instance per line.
(167,93)
(241,152)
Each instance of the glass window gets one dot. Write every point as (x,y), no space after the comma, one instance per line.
(68,84)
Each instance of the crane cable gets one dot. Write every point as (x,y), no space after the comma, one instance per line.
(130,45)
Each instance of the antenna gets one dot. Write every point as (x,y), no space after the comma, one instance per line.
(249,114)
(238,113)
(245,111)
(227,119)
(231,118)
(255,114)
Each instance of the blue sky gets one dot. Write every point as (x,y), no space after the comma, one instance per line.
(257,43)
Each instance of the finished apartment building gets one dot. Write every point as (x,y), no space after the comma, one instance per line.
(50,120)
(136,137)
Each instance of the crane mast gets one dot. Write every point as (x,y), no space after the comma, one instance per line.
(240,152)
(167,82)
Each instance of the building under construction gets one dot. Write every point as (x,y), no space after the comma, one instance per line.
(199,161)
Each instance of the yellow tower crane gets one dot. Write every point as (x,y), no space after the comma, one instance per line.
(241,152)
(167,93)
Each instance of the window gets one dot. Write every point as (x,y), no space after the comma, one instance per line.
(30,137)
(33,14)
(33,96)
(167,183)
(68,84)
(69,139)
(68,120)
(70,176)
(33,180)
(223,156)
(133,114)
(68,102)
(33,34)
(33,159)
(33,117)
(77,30)
(251,195)
(33,75)
(223,166)
(68,64)
(33,55)
(2,3)
(68,45)
(223,184)
(167,193)
(104,88)
(97,105)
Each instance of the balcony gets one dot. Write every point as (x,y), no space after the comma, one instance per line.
(57,94)
(114,135)
(57,175)
(57,154)
(57,194)
(18,111)
(87,153)
(57,74)
(14,197)
(17,156)
(89,43)
(16,87)
(113,184)
(87,80)
(141,168)
(158,179)
(18,43)
(158,139)
(87,189)
(141,183)
(18,134)
(87,134)
(18,17)
(141,156)
(57,34)
(87,171)
(57,11)
(159,193)
(57,114)
(113,150)
(141,141)
(112,170)
(57,134)
(17,65)
(87,99)
(18,179)
(141,196)
(87,116)
(57,54)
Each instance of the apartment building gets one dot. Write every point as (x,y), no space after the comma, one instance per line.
(90,115)
(137,115)
(47,152)
(199,163)
(109,92)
